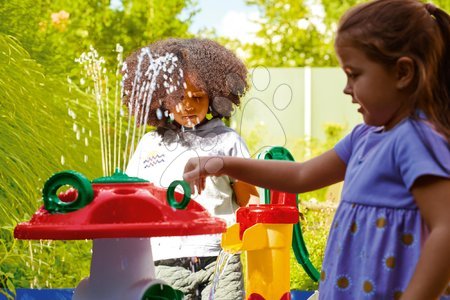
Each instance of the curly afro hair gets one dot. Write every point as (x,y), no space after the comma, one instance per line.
(209,66)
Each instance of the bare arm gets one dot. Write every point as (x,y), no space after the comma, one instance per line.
(432,274)
(285,176)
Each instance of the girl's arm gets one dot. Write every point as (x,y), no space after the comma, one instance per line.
(291,177)
(432,274)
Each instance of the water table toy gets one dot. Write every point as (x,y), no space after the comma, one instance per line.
(120,214)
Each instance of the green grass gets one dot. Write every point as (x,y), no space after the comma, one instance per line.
(38,139)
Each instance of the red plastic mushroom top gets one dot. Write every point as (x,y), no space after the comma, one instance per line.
(116,207)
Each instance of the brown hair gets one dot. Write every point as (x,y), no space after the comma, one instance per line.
(209,66)
(389,29)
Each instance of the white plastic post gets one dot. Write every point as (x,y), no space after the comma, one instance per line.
(121,268)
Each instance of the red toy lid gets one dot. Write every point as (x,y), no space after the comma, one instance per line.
(266,214)
(119,210)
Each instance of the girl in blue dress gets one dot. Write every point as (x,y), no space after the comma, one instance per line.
(390,238)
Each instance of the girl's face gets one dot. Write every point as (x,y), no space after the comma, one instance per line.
(193,108)
(373,86)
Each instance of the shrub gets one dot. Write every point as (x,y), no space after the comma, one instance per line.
(41,134)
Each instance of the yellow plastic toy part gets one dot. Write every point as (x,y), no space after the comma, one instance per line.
(268,253)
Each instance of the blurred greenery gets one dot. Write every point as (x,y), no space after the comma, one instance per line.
(45,125)
(291,34)
(55,32)
(288,37)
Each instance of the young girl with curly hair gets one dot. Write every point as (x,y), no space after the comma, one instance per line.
(184,88)
(390,237)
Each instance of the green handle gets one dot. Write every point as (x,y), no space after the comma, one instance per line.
(171,194)
(78,181)
(159,291)
(278,153)
(298,243)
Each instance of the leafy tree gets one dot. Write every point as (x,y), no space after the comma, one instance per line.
(287,36)
(443,4)
(56,32)
(334,9)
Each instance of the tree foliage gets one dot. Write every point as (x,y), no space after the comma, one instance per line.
(290,35)
(334,9)
(287,37)
(55,32)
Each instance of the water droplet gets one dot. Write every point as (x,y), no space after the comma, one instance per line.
(159,114)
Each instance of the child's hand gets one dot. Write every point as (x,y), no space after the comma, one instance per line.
(198,168)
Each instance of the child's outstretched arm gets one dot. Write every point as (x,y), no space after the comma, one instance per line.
(285,176)
(432,274)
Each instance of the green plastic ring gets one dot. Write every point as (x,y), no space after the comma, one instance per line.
(171,194)
(78,181)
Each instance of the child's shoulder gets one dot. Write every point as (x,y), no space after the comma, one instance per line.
(409,128)
(417,137)
(420,130)
(362,130)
